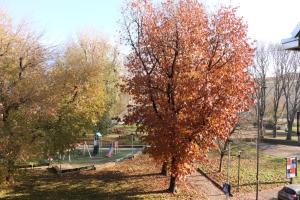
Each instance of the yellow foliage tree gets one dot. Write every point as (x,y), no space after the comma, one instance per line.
(22,81)
(81,82)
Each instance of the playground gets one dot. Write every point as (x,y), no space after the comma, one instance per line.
(95,151)
(85,154)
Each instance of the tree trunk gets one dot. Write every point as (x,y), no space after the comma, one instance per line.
(274,132)
(274,125)
(290,129)
(172,187)
(262,128)
(164,169)
(221,161)
(5,115)
(9,177)
(224,149)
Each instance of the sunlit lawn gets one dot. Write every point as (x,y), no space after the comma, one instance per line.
(281,134)
(130,179)
(271,169)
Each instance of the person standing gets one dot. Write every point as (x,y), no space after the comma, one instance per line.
(96,146)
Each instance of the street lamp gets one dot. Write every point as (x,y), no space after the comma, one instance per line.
(228,170)
(260,115)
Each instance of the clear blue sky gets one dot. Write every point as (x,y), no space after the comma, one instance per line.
(61,19)
(268,20)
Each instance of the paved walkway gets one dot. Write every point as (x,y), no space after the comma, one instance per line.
(205,186)
(280,150)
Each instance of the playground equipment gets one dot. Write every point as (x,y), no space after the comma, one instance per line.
(96,151)
(86,148)
(85,152)
(114,148)
(62,157)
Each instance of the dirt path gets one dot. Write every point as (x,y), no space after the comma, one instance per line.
(202,184)
(280,150)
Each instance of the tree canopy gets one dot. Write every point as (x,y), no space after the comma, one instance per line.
(51,99)
(187,74)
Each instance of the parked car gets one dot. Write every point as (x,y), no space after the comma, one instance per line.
(289,192)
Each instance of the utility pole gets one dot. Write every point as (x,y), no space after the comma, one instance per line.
(260,116)
(298,119)
(257,142)
(257,153)
(228,170)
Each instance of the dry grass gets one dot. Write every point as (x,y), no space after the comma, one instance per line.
(131,179)
(271,173)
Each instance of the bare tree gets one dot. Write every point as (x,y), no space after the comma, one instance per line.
(235,135)
(291,87)
(259,69)
(222,147)
(279,60)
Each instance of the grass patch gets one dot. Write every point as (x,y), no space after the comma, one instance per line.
(131,179)
(271,169)
(281,134)
(132,127)
(122,133)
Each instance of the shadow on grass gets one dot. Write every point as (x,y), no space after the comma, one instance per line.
(143,175)
(81,194)
(100,185)
(112,176)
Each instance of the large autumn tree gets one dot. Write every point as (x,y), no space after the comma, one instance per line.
(187,74)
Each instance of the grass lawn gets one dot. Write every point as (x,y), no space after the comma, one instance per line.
(119,132)
(130,179)
(281,134)
(122,133)
(127,128)
(271,173)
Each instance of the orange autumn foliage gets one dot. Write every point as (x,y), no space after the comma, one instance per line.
(187,77)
